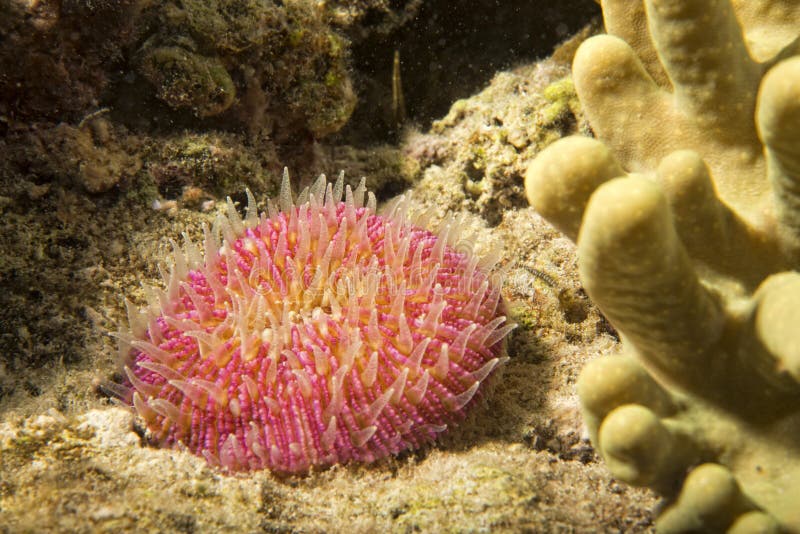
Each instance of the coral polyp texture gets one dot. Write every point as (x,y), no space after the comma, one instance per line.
(316,334)
(687,219)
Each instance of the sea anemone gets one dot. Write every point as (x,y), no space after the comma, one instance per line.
(315,334)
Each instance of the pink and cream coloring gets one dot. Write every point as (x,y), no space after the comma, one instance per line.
(316,334)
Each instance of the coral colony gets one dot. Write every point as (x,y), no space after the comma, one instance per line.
(688,233)
(316,334)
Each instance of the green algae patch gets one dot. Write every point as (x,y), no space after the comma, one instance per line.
(257,65)
(230,26)
(563,100)
(185,79)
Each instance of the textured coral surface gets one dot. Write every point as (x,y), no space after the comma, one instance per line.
(316,335)
(684,222)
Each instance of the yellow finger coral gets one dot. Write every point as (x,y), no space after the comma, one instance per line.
(685,219)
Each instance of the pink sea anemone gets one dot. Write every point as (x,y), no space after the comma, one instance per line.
(316,334)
